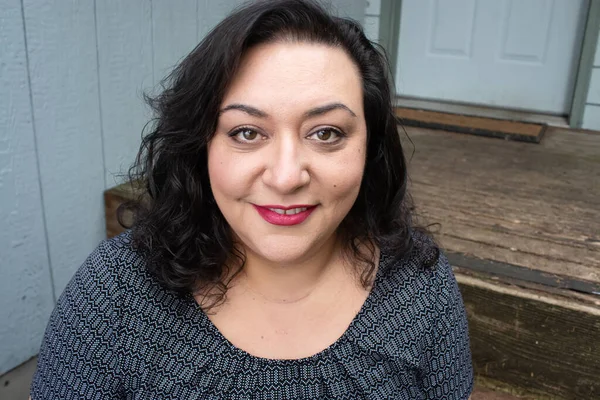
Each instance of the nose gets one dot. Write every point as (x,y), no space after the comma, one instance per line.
(287,169)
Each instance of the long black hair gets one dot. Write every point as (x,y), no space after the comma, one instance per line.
(178,227)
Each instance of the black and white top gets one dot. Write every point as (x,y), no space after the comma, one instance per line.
(118,334)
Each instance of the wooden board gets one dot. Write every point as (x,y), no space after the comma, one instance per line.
(533,206)
(498,128)
(113,198)
(543,345)
(484,393)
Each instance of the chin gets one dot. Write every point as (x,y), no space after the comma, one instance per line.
(281,255)
(283,250)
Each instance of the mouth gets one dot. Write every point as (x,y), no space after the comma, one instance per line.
(285,215)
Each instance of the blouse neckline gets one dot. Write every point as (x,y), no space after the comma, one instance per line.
(212,329)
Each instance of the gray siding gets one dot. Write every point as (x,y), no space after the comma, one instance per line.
(25,287)
(63,74)
(372,12)
(591,113)
(72,75)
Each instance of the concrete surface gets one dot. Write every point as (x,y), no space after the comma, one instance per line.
(14,385)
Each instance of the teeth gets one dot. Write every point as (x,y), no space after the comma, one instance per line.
(291,211)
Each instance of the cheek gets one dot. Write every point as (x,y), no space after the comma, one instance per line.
(220,163)
(232,174)
(345,177)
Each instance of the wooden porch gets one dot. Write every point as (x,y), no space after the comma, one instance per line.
(520,223)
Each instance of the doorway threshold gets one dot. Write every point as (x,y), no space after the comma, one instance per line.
(482,111)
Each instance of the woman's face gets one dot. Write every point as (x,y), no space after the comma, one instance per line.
(288,155)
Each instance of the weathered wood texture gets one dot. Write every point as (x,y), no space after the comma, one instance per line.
(483,393)
(526,217)
(541,344)
(113,198)
(531,205)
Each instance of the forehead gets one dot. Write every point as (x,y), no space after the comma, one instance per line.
(295,74)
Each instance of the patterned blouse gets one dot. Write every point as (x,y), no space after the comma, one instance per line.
(116,333)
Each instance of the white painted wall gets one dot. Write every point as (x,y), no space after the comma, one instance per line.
(72,74)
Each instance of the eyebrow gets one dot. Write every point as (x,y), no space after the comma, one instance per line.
(313,112)
(255,112)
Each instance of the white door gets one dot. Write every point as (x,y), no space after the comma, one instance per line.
(520,54)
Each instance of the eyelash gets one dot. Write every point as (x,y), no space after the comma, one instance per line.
(233,134)
(339,134)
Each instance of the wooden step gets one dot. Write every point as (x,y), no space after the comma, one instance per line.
(539,341)
(484,393)
(521,224)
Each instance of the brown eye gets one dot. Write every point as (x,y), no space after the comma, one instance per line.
(244,135)
(327,135)
(324,134)
(248,134)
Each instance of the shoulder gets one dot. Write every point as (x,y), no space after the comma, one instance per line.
(112,276)
(114,265)
(420,292)
(117,254)
(422,312)
(425,268)
(111,305)
(111,273)
(84,327)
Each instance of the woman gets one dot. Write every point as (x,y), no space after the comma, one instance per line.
(275,257)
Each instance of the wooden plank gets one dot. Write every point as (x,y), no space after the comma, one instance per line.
(460,235)
(64,83)
(539,344)
(483,393)
(113,198)
(534,206)
(26,287)
(524,274)
(470,124)
(112,201)
(531,216)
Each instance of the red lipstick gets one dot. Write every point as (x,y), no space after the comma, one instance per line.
(276,218)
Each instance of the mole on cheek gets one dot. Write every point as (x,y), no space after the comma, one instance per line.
(334,185)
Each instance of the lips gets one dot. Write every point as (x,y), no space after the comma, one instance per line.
(285,216)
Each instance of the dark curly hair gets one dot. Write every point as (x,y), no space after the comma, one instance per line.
(179,228)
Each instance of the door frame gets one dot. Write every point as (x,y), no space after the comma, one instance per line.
(389,38)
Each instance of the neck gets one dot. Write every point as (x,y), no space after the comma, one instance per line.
(289,283)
